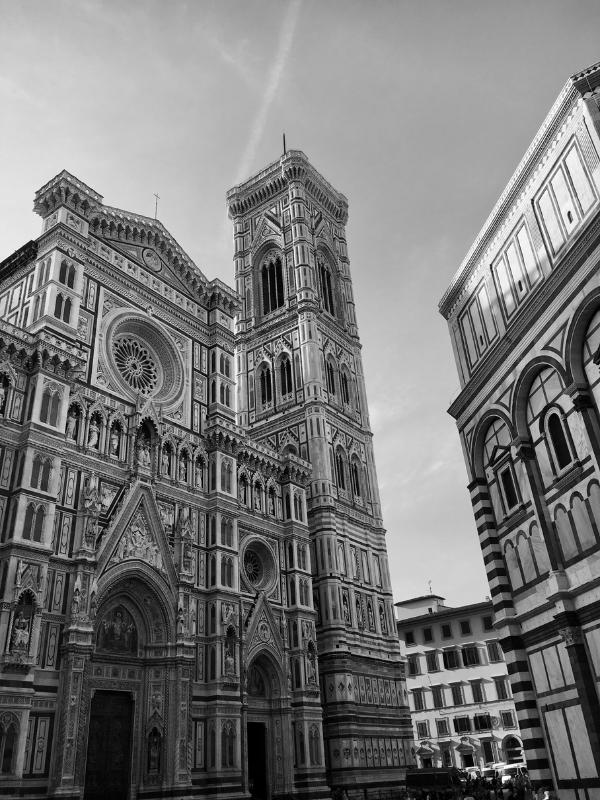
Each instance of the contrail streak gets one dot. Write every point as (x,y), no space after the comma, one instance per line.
(286,39)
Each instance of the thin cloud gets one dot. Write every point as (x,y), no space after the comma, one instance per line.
(286,40)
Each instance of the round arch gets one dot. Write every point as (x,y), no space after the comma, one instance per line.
(576,336)
(143,589)
(479,435)
(523,387)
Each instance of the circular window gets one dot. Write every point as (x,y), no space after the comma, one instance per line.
(253,567)
(259,565)
(135,364)
(142,359)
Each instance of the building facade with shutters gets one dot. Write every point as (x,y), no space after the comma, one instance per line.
(460,699)
(194,581)
(524,318)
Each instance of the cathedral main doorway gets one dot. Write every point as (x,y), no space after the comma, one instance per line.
(108,764)
(257,760)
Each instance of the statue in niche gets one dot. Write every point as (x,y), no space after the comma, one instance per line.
(117,632)
(154,751)
(183,470)
(199,474)
(229,659)
(71,428)
(20,633)
(93,434)
(142,450)
(165,461)
(91,494)
(258,498)
(2,396)
(311,665)
(180,620)
(271,497)
(76,600)
(114,441)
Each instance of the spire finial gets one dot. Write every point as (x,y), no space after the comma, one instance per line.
(284,147)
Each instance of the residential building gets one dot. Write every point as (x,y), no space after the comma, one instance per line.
(524,318)
(460,699)
(194,581)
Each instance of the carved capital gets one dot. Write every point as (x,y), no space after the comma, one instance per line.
(580,395)
(524,449)
(571,635)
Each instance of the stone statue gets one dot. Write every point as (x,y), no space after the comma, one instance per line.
(20,633)
(93,433)
(180,620)
(71,429)
(2,397)
(20,570)
(229,661)
(143,451)
(199,476)
(91,495)
(183,470)
(115,441)
(165,463)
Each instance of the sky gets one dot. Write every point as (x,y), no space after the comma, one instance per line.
(417,111)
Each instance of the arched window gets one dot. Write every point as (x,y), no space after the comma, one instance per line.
(37,307)
(288,509)
(558,440)
(213,392)
(38,525)
(285,376)
(272,285)
(29,522)
(212,529)
(58,306)
(227,572)
(36,469)
(212,570)
(266,391)
(8,747)
(326,287)
(66,274)
(345,388)
(226,532)
(297,507)
(292,590)
(330,376)
(45,407)
(226,476)
(302,562)
(54,409)
(213,361)
(340,469)
(45,477)
(499,469)
(355,478)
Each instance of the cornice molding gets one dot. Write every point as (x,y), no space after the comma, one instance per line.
(565,103)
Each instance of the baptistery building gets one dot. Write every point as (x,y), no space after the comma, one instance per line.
(195,591)
(524,318)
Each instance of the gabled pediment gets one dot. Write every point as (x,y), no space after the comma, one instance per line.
(267,230)
(263,629)
(150,259)
(137,535)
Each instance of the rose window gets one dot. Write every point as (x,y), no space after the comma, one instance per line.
(135,364)
(253,567)
(259,566)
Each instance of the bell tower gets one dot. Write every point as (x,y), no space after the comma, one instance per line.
(301,391)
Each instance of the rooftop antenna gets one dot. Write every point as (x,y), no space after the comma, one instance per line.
(157,196)
(284,147)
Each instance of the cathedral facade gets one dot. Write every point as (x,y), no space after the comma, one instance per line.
(195,591)
(524,318)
